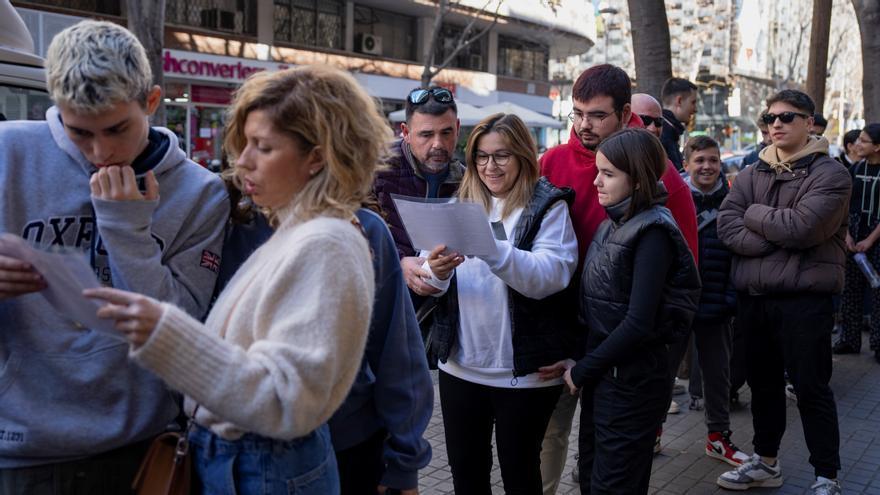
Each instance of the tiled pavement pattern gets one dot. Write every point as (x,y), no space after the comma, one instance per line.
(683,467)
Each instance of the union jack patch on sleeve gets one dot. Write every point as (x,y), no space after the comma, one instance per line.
(210,260)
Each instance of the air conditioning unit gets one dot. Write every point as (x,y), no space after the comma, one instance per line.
(369,43)
(218,19)
(475,62)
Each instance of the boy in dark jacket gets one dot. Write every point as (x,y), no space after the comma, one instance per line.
(711,327)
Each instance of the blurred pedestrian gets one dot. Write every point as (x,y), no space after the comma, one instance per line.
(785,221)
(849,155)
(283,342)
(640,289)
(862,236)
(501,317)
(679,97)
(101,181)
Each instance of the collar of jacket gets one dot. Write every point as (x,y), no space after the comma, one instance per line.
(456,168)
(673,121)
(815,146)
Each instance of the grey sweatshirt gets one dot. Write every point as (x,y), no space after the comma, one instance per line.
(68,392)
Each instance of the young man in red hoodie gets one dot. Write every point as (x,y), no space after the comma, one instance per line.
(601,100)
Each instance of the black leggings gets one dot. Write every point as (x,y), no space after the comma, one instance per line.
(520,417)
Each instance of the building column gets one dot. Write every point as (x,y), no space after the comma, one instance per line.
(349,26)
(492,53)
(265,22)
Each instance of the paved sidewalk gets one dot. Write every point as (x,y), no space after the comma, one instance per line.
(682,467)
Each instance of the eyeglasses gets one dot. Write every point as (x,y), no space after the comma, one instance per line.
(593,118)
(440,95)
(648,120)
(785,117)
(501,158)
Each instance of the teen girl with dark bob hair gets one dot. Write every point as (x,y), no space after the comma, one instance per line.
(639,289)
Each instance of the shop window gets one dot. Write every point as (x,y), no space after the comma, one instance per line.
(378,32)
(522,59)
(232,16)
(472,57)
(318,23)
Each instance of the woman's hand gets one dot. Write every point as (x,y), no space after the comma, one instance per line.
(850,244)
(443,264)
(572,389)
(864,245)
(555,370)
(136,315)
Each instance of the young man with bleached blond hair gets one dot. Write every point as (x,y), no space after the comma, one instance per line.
(77,415)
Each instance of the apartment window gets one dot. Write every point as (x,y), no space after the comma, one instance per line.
(472,57)
(233,16)
(522,59)
(318,23)
(379,32)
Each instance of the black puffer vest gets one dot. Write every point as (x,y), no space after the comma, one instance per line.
(608,277)
(543,330)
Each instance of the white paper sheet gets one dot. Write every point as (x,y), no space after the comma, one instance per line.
(66,275)
(462,227)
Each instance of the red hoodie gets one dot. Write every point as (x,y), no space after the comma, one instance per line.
(572,165)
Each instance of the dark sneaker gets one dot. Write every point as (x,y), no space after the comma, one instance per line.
(753,473)
(824,486)
(719,446)
(696,404)
(678,388)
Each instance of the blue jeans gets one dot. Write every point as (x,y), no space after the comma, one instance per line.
(258,465)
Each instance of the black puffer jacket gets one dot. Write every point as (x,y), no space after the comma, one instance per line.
(718,299)
(608,278)
(544,330)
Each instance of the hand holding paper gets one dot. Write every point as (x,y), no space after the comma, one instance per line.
(65,276)
(462,227)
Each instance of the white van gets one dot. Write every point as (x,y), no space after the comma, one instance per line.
(22,77)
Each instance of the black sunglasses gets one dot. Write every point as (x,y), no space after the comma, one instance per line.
(648,120)
(785,117)
(440,95)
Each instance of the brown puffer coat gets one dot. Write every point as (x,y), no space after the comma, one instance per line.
(787,229)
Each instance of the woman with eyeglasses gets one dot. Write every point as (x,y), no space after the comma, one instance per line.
(862,237)
(502,317)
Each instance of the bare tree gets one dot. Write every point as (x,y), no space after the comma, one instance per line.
(468,36)
(146,19)
(868,15)
(817,67)
(650,38)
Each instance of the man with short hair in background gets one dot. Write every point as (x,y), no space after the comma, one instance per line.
(679,97)
(649,110)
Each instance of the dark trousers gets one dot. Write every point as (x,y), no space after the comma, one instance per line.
(713,342)
(792,333)
(520,417)
(110,473)
(853,304)
(361,466)
(738,357)
(619,420)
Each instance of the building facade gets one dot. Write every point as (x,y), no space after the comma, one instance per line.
(211,46)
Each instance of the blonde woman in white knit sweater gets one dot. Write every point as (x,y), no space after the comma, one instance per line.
(282,345)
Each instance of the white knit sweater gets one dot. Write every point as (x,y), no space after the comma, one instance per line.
(284,341)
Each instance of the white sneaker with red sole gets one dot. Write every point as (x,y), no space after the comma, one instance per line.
(719,446)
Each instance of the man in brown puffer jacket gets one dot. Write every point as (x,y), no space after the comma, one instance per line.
(785,221)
